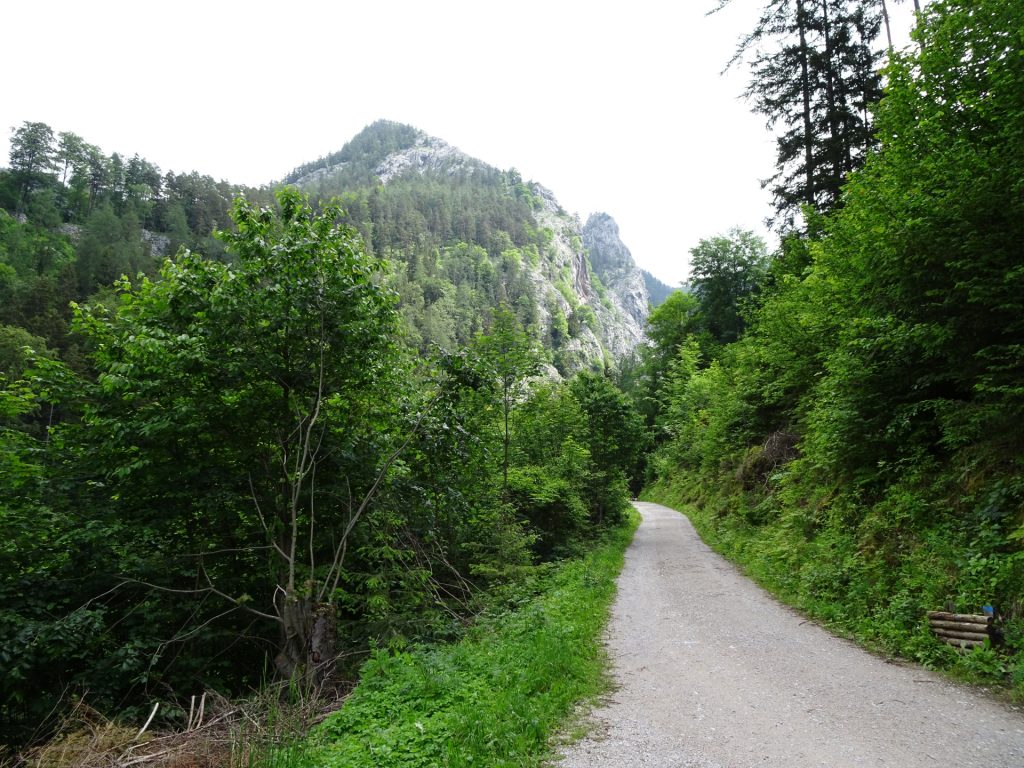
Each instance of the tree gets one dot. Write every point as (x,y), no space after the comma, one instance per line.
(252,405)
(513,358)
(614,434)
(668,327)
(551,477)
(814,74)
(70,154)
(726,271)
(103,252)
(32,157)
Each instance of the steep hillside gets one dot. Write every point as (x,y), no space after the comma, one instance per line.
(614,265)
(465,237)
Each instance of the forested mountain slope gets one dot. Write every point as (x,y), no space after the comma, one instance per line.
(467,236)
(657,290)
(462,238)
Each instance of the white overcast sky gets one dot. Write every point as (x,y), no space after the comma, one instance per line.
(615,106)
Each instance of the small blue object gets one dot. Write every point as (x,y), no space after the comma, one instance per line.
(987,610)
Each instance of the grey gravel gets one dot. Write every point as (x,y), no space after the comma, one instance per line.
(711,672)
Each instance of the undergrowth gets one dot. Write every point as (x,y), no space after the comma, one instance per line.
(264,730)
(496,697)
(868,573)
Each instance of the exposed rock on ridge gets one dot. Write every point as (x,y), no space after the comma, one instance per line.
(614,265)
(620,320)
(428,154)
(620,305)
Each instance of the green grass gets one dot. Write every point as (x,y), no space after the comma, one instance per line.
(496,697)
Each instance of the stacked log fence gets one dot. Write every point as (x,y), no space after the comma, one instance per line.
(962,630)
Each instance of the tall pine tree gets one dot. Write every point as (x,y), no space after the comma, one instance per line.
(814,75)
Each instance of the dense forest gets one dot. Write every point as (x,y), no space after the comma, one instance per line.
(843,418)
(264,434)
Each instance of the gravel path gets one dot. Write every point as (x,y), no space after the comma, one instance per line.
(711,672)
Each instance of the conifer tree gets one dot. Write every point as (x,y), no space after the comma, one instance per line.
(814,75)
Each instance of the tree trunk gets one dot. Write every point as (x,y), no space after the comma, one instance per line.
(323,642)
(888,31)
(309,640)
(805,87)
(507,438)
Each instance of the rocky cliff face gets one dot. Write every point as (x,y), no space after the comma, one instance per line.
(619,306)
(614,265)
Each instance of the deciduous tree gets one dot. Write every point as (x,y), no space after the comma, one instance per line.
(250,405)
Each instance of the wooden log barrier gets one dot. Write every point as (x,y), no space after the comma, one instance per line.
(952,633)
(962,630)
(956,643)
(964,626)
(942,615)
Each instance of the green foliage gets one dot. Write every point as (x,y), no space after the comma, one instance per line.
(726,272)
(214,473)
(46,633)
(668,327)
(36,280)
(86,219)
(18,347)
(32,157)
(614,434)
(228,444)
(496,697)
(930,349)
(250,400)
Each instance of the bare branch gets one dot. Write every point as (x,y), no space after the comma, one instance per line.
(152,714)
(234,601)
(194,630)
(263,521)
(200,591)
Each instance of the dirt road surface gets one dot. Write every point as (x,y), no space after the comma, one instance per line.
(711,672)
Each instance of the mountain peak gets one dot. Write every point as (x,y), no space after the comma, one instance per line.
(614,265)
(382,152)
(608,254)
(603,221)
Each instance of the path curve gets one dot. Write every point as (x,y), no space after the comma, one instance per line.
(711,672)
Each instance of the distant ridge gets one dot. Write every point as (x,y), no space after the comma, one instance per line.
(657,290)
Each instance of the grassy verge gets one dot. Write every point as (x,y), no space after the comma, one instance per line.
(852,583)
(496,697)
